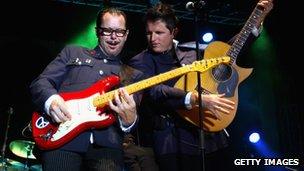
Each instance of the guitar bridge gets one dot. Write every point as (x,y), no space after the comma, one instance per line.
(47,136)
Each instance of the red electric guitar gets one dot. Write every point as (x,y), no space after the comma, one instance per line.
(89,107)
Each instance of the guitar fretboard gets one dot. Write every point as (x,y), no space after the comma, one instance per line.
(200,66)
(241,38)
(100,100)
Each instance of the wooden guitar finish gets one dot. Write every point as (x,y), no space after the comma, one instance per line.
(227,83)
(225,78)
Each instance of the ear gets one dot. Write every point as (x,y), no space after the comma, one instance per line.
(127,33)
(175,31)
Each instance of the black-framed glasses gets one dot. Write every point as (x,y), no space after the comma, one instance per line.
(108,31)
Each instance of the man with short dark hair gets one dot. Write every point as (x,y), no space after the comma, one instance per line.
(175,141)
(77,68)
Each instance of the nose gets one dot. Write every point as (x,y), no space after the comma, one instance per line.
(152,37)
(113,35)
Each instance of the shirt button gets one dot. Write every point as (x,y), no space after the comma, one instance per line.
(88,61)
(100,72)
(105,60)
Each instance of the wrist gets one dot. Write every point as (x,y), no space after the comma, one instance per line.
(194,99)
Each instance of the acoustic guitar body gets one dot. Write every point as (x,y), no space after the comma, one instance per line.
(224,78)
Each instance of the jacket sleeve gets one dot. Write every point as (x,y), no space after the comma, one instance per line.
(48,82)
(161,93)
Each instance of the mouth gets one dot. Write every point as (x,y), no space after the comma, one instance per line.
(112,45)
(155,45)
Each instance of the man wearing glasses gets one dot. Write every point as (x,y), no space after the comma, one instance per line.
(77,68)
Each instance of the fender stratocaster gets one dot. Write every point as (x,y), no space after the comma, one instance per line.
(89,107)
(224,78)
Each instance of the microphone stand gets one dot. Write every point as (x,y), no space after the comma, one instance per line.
(28,148)
(197,10)
(3,160)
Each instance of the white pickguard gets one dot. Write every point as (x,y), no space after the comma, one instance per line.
(82,111)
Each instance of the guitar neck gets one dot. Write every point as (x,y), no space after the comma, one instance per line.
(101,100)
(253,21)
(200,66)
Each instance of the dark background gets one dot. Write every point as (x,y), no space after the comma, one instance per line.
(32,33)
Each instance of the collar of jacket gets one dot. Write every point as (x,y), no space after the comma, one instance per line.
(179,53)
(97,53)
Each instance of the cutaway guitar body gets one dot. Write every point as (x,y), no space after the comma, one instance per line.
(224,78)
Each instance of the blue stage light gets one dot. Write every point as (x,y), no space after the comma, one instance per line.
(207,37)
(254,137)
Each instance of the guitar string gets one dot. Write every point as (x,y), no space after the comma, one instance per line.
(221,70)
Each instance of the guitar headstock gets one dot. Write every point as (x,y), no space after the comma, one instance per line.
(204,65)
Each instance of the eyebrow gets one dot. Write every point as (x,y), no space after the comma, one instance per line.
(113,28)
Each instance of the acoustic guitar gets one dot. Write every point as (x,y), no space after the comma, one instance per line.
(225,78)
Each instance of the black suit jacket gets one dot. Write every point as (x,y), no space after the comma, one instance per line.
(163,128)
(77,68)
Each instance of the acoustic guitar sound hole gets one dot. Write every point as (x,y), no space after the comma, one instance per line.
(222,72)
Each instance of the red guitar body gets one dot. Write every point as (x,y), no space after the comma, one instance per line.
(50,135)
